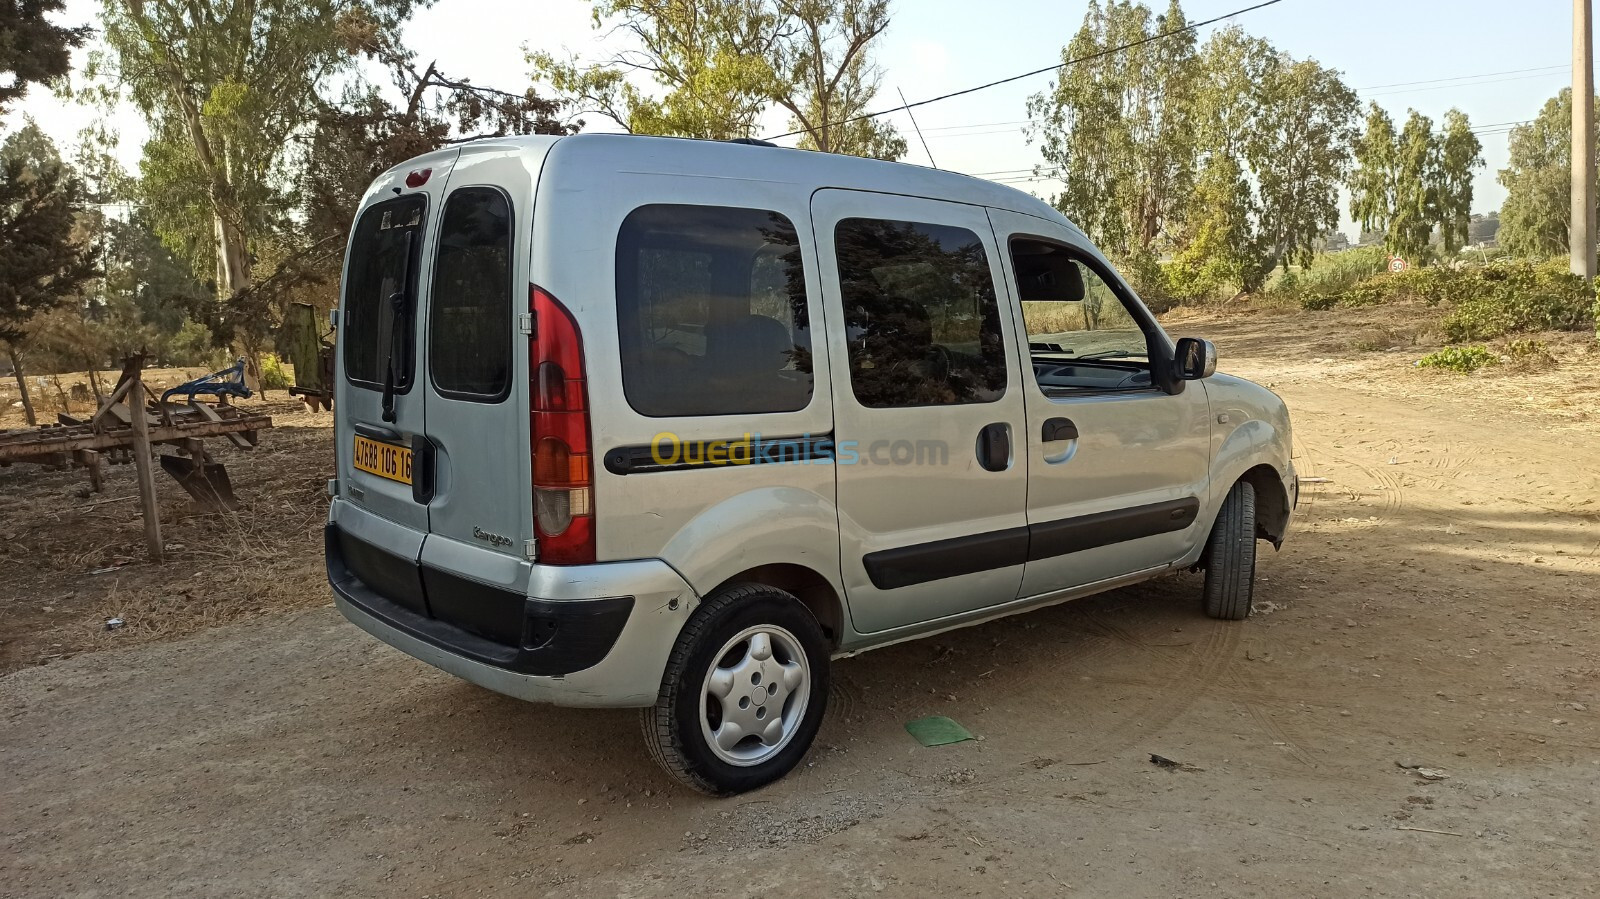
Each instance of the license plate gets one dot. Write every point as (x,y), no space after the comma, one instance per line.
(383,459)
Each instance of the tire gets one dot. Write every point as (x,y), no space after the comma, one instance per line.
(1231,556)
(766,649)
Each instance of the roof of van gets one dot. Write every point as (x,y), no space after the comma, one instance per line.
(726,159)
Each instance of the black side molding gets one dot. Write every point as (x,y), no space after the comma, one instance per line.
(727,452)
(1070,535)
(924,562)
(905,566)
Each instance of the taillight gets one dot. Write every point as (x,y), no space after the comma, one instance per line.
(563,478)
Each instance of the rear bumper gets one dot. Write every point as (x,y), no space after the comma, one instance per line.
(601,638)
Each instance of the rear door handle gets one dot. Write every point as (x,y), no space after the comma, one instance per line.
(378,432)
(1059,429)
(994,447)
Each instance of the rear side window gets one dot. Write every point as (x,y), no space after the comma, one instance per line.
(380,293)
(711,312)
(469,324)
(920,314)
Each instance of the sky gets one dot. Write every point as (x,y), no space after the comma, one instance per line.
(1497,62)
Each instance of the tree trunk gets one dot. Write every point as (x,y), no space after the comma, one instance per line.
(233,259)
(22,384)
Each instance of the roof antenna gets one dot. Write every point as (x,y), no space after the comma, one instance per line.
(907,107)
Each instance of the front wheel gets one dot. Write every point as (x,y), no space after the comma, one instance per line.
(1231,556)
(744,692)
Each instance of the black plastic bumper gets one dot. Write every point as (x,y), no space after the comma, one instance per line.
(487,624)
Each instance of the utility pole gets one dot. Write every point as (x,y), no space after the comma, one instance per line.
(1582,240)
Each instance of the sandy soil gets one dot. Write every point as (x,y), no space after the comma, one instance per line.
(1433,609)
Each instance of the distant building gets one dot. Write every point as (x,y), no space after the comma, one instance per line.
(1334,241)
(1484,230)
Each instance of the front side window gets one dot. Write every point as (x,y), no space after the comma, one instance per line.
(378,329)
(469,325)
(711,312)
(920,312)
(1082,332)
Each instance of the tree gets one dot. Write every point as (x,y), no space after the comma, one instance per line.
(43,264)
(713,59)
(1221,243)
(828,77)
(33,50)
(721,64)
(1416,196)
(1538,182)
(1410,184)
(1119,128)
(1299,152)
(362,134)
(1460,156)
(1372,184)
(226,87)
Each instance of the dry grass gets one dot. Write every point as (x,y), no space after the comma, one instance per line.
(73,559)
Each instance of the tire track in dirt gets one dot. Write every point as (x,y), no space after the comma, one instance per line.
(1201,669)
(1241,694)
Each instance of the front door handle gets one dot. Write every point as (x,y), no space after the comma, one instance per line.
(1059,429)
(994,447)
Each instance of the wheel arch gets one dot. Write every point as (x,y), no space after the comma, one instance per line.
(1272,503)
(813,590)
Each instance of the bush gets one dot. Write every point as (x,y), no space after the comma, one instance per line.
(1512,297)
(1463,359)
(1526,353)
(1319,302)
(1333,272)
(1370,292)
(193,346)
(273,375)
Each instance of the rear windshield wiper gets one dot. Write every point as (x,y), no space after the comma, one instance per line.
(398,306)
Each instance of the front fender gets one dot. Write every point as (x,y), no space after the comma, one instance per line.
(1252,441)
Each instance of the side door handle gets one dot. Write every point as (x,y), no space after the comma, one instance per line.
(994,446)
(1059,429)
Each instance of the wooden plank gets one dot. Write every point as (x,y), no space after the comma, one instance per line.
(236,439)
(57,440)
(147,477)
(91,460)
(116,395)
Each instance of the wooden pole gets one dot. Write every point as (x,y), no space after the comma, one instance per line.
(147,474)
(1582,238)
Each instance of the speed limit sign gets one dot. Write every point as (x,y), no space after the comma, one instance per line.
(1397,264)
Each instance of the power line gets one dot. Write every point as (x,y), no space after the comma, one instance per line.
(1057,67)
(1445,87)
(1377,87)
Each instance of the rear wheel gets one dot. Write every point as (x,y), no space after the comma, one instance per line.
(743,694)
(1231,556)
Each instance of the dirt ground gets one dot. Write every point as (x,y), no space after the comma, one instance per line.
(1414,711)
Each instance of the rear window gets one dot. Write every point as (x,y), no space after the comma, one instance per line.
(711,312)
(380,293)
(469,322)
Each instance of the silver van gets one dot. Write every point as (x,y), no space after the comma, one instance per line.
(670,424)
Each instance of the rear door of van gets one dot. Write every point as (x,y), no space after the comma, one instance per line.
(478,482)
(380,404)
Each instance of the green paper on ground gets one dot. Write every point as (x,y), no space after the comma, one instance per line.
(937,730)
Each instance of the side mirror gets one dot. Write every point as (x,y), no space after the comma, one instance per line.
(1195,359)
